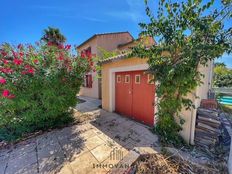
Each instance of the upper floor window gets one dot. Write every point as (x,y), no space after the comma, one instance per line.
(88,81)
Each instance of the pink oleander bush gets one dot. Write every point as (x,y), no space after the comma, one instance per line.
(38,86)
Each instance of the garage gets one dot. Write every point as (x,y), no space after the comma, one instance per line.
(127,89)
(134,96)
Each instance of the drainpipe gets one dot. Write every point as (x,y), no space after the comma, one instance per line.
(191,125)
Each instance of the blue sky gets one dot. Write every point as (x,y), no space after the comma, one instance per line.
(23,21)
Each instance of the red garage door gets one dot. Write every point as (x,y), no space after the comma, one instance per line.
(134,96)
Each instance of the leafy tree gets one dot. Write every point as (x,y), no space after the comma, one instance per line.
(221,70)
(222,76)
(223,80)
(53,36)
(189,33)
(219,64)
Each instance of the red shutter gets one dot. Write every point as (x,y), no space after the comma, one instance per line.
(89,81)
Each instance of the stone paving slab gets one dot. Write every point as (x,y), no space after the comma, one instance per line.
(90,104)
(101,152)
(83,164)
(84,148)
(21,162)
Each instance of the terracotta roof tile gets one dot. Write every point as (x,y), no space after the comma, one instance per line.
(115,58)
(100,34)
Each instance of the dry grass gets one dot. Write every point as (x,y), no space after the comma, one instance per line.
(162,164)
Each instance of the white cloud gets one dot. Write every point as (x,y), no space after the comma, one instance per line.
(46,7)
(94,19)
(135,12)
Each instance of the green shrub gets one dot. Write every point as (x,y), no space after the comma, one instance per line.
(38,85)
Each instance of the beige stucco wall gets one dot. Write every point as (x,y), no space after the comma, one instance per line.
(92,43)
(111,42)
(108,42)
(148,41)
(196,96)
(189,115)
(90,92)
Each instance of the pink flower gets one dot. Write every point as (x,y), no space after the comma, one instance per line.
(6,70)
(27,66)
(5,93)
(89,55)
(2,80)
(5,61)
(61,46)
(14,54)
(24,72)
(20,46)
(18,61)
(21,54)
(83,55)
(30,46)
(3,53)
(31,71)
(60,58)
(36,61)
(50,43)
(67,47)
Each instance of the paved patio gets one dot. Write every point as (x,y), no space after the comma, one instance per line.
(89,104)
(93,147)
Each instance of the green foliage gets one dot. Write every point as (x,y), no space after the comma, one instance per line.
(219,64)
(42,83)
(221,70)
(53,35)
(188,35)
(104,54)
(223,80)
(222,76)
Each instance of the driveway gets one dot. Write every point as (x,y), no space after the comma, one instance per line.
(94,147)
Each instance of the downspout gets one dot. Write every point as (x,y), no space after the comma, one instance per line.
(191,125)
(210,82)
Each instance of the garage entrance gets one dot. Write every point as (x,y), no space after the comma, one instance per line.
(134,96)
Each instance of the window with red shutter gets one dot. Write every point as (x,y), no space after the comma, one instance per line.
(88,81)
